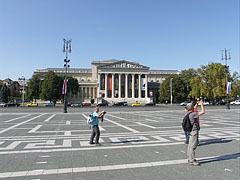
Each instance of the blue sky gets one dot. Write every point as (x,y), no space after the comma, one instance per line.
(161,34)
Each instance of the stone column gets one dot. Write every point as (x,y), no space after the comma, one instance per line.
(139,85)
(146,86)
(87,92)
(126,85)
(119,86)
(133,79)
(112,85)
(94,92)
(99,84)
(106,75)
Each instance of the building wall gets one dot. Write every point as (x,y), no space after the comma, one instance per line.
(89,80)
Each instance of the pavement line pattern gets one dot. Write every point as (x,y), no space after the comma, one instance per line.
(48,119)
(19,124)
(35,129)
(120,125)
(38,172)
(17,118)
(37,145)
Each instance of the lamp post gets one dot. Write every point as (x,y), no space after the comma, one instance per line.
(226,71)
(22,79)
(66,49)
(171,89)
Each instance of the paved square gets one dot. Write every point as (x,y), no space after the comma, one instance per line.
(136,144)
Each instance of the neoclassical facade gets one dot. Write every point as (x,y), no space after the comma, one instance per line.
(114,81)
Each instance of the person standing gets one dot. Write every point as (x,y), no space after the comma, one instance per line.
(192,146)
(95,129)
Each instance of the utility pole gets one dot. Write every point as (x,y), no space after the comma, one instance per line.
(226,71)
(66,49)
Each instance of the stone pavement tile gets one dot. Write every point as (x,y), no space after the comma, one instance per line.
(33,177)
(89,176)
(16,178)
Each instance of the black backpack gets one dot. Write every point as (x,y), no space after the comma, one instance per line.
(186,124)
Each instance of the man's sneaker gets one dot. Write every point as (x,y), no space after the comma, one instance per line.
(98,144)
(194,163)
(91,143)
(185,142)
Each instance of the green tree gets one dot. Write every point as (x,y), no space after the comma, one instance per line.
(51,87)
(1,84)
(4,94)
(186,76)
(72,85)
(33,88)
(235,92)
(177,89)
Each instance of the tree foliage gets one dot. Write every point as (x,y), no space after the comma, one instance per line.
(4,94)
(33,88)
(72,85)
(51,87)
(208,82)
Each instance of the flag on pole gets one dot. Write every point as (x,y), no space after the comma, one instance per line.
(64,88)
(229,85)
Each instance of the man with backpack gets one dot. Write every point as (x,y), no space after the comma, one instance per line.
(94,124)
(193,128)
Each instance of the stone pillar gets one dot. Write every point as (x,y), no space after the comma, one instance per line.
(98,86)
(106,75)
(94,92)
(119,86)
(146,86)
(87,92)
(126,85)
(139,85)
(112,85)
(133,79)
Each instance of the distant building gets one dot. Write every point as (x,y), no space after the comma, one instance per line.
(13,86)
(114,81)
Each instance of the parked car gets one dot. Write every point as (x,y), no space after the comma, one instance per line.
(86,104)
(102,104)
(185,103)
(123,103)
(221,103)
(2,104)
(236,102)
(50,104)
(77,105)
(150,104)
(12,104)
(69,104)
(137,104)
(32,105)
(205,103)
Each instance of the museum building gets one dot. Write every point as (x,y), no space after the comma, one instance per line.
(114,81)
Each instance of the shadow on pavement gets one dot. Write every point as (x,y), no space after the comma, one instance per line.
(214,141)
(131,141)
(220,158)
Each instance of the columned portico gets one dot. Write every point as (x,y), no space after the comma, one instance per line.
(113,85)
(119,86)
(106,75)
(133,80)
(135,87)
(126,85)
(114,81)
(139,86)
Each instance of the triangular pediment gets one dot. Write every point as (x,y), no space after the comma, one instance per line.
(124,65)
